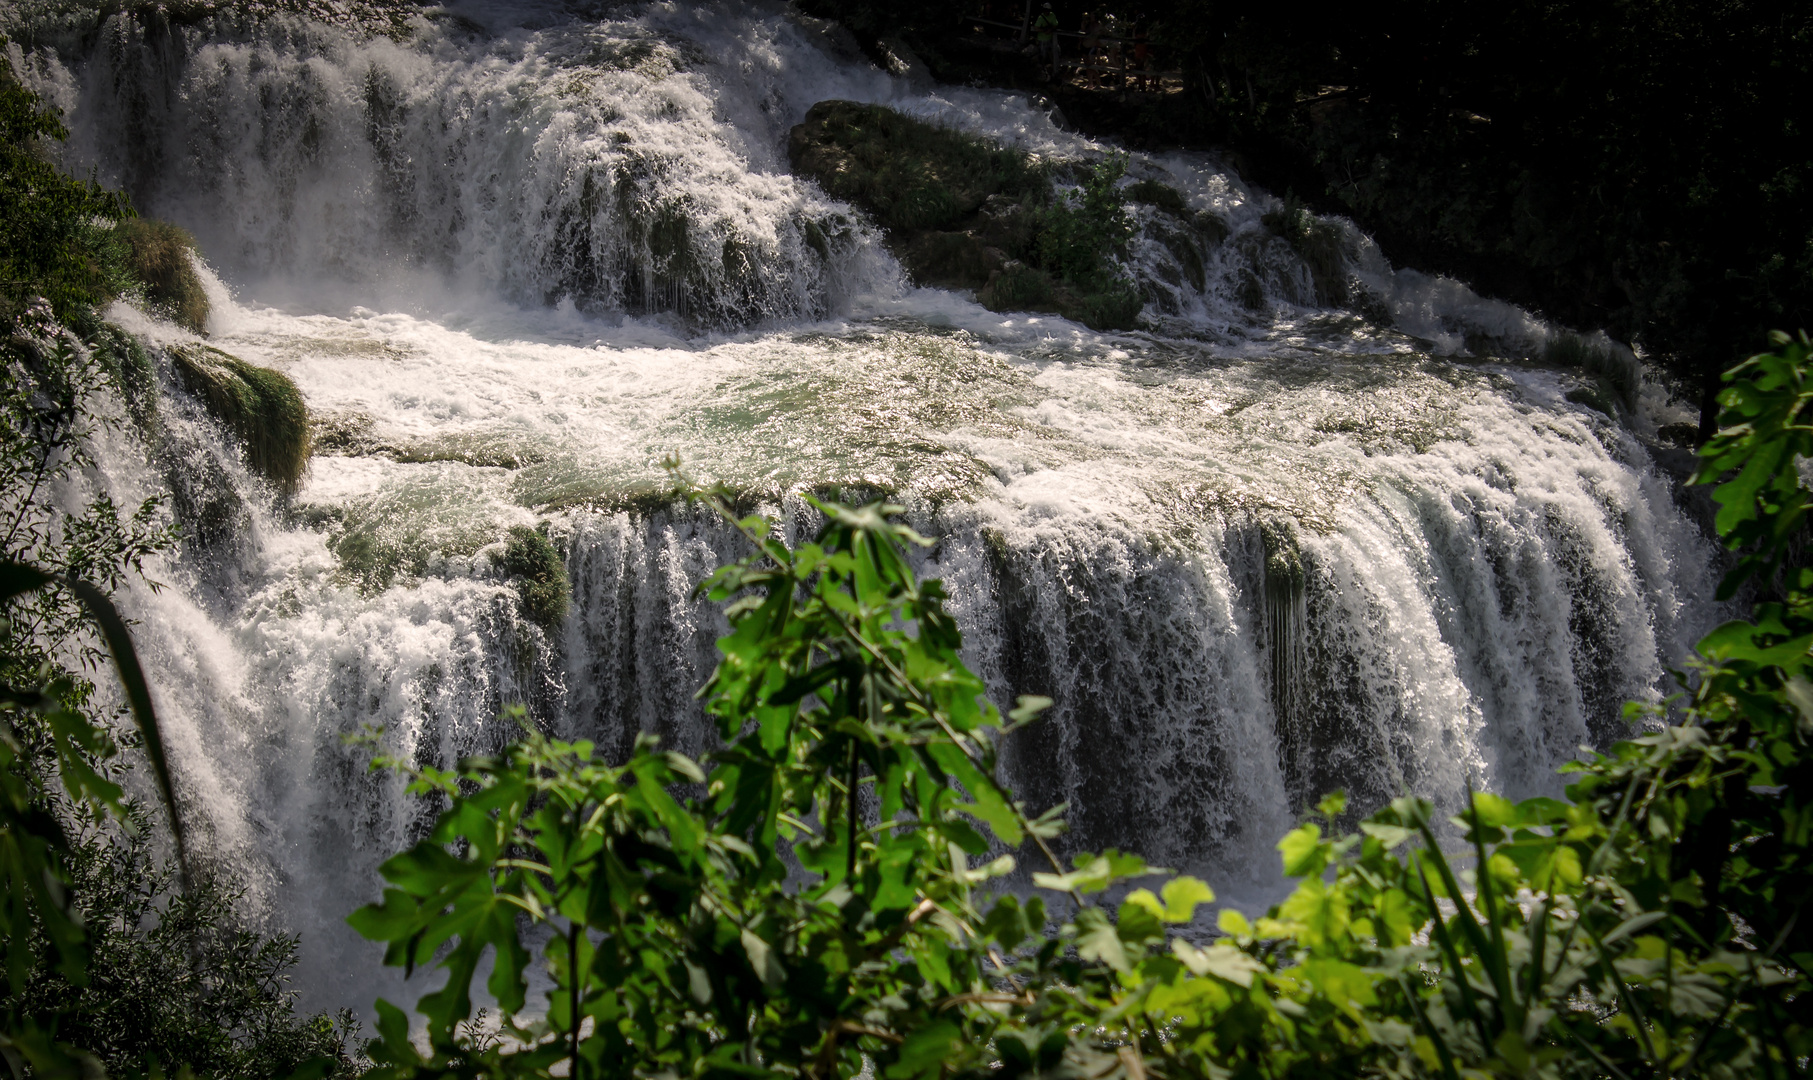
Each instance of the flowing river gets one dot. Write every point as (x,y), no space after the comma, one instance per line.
(1258,549)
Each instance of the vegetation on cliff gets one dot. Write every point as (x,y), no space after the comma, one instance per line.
(814,899)
(961,213)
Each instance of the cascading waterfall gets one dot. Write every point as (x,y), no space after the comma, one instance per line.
(1262,548)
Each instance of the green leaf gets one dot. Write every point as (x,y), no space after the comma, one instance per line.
(1303,851)
(924,1052)
(1140,919)
(761,957)
(1097,939)
(1220,960)
(1182,894)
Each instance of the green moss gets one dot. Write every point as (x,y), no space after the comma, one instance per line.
(1212,226)
(1182,247)
(1163,196)
(815,239)
(123,357)
(261,407)
(1284,577)
(160,256)
(541,577)
(912,175)
(1251,291)
(1318,243)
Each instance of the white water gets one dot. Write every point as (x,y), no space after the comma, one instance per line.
(405,228)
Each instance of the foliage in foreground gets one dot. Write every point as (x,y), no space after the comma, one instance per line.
(822,897)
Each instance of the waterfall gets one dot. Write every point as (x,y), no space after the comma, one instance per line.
(1297,532)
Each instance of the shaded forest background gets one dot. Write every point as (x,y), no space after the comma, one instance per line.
(1638,167)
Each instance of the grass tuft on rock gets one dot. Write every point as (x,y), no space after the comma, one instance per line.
(161,256)
(261,407)
(541,576)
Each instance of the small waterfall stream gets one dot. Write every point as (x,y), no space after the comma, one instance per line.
(1258,549)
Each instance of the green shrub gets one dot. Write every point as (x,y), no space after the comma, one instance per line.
(1016,287)
(57,236)
(173,974)
(529,558)
(261,407)
(108,963)
(159,256)
(1081,233)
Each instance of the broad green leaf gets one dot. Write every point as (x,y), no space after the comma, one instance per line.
(924,1052)
(1303,851)
(1141,919)
(1182,894)
(1097,939)
(1220,960)
(761,957)
(1319,909)
(1340,981)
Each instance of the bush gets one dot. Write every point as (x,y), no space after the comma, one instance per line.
(173,976)
(108,965)
(541,575)
(912,175)
(57,237)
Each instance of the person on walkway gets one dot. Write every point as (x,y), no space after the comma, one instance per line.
(1046,31)
(1092,49)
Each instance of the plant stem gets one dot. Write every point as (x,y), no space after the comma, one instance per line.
(850,813)
(573,992)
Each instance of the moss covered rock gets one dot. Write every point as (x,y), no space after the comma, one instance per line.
(959,211)
(540,575)
(261,407)
(162,258)
(910,174)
